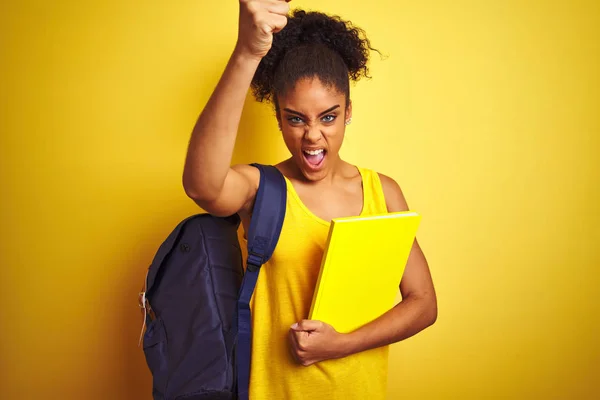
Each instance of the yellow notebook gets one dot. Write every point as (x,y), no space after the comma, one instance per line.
(362,267)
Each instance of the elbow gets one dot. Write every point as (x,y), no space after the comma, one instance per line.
(198,185)
(426,305)
(207,199)
(199,192)
(433,316)
(191,188)
(192,192)
(431,311)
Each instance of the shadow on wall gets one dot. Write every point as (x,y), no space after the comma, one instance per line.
(258,141)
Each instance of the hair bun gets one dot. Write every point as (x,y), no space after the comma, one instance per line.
(307,28)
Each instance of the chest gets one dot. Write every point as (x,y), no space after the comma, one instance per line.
(330,203)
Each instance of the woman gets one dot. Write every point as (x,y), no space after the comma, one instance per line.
(303,64)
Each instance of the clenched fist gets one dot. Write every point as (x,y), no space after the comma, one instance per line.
(259,20)
(314,341)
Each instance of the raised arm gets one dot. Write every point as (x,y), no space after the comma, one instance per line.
(208,177)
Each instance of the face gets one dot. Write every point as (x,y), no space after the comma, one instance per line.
(312,119)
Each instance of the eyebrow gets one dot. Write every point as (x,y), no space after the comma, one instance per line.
(304,116)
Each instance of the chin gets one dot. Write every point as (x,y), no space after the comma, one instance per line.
(314,176)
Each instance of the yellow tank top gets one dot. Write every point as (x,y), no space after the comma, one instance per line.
(283,296)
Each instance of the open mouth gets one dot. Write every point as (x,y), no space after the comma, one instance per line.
(314,158)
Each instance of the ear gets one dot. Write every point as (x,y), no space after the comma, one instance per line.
(348,111)
(277,112)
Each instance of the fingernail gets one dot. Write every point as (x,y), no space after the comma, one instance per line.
(295,326)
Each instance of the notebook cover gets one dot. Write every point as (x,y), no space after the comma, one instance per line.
(362,267)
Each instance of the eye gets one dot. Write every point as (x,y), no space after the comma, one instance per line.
(295,120)
(329,118)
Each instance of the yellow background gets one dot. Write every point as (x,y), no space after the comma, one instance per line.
(485,112)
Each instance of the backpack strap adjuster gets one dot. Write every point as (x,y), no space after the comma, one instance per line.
(254,262)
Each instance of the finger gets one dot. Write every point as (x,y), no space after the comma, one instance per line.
(298,353)
(270,23)
(277,22)
(300,340)
(278,7)
(294,345)
(308,325)
(293,338)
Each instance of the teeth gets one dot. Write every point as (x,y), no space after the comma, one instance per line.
(313,152)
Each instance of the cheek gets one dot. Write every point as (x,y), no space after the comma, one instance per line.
(292,138)
(334,138)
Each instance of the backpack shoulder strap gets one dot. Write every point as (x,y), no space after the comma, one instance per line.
(265,227)
(267,216)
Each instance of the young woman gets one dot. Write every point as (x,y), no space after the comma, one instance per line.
(303,64)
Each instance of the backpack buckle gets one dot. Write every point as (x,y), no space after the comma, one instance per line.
(252,267)
(142,300)
(144,304)
(147,312)
(254,261)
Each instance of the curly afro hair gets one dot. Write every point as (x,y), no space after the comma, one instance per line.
(312,44)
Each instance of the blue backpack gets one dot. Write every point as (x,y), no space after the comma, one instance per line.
(197,299)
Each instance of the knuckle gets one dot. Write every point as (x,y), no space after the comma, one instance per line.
(258,19)
(264,28)
(252,7)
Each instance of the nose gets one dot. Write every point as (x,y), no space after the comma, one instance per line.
(312,134)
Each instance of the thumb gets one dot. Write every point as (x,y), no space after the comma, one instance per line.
(307,325)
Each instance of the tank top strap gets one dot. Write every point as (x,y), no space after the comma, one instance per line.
(374,199)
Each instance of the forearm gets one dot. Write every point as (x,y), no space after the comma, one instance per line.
(210,149)
(409,317)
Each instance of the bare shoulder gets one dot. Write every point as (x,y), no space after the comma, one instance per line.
(394,198)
